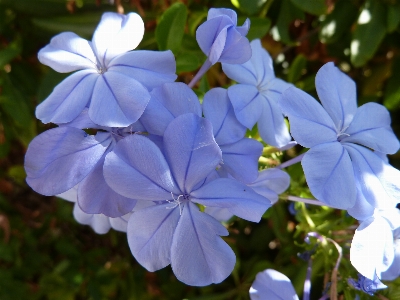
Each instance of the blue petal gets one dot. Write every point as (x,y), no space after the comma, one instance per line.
(337,93)
(262,62)
(219,111)
(329,174)
(218,213)
(68,99)
(240,159)
(217,12)
(272,285)
(60,158)
(271,125)
(237,48)
(96,197)
(137,169)
(150,233)
(310,124)
(238,198)
(82,121)
(68,52)
(270,183)
(198,255)
(371,128)
(362,209)
(191,150)
(209,37)
(99,223)
(247,103)
(393,271)
(370,244)
(117,34)
(168,102)
(242,73)
(117,100)
(150,68)
(378,180)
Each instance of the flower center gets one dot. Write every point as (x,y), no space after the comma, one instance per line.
(179,201)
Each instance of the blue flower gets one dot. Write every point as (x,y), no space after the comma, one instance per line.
(175,231)
(344,167)
(366,285)
(111,82)
(375,248)
(61,158)
(100,223)
(239,154)
(255,98)
(272,285)
(221,40)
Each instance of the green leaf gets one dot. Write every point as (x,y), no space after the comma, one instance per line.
(393,17)
(297,67)
(49,82)
(369,33)
(39,8)
(195,19)
(170,29)
(187,62)
(14,106)
(8,54)
(259,27)
(392,92)
(17,173)
(338,22)
(287,14)
(81,24)
(314,7)
(250,7)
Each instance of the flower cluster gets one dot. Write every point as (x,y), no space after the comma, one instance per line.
(155,167)
(166,169)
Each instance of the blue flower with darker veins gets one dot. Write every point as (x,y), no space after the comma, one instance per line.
(179,178)
(255,98)
(344,167)
(111,81)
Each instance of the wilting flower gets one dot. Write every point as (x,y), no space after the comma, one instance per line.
(222,40)
(366,285)
(255,98)
(175,231)
(111,82)
(344,167)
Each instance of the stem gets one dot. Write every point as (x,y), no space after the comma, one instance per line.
(307,282)
(333,292)
(291,161)
(305,200)
(204,68)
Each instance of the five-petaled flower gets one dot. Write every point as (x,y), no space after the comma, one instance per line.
(111,82)
(345,167)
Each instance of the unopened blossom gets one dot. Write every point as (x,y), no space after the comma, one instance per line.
(344,167)
(221,39)
(110,80)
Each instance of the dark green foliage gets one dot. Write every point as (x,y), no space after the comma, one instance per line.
(45,254)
